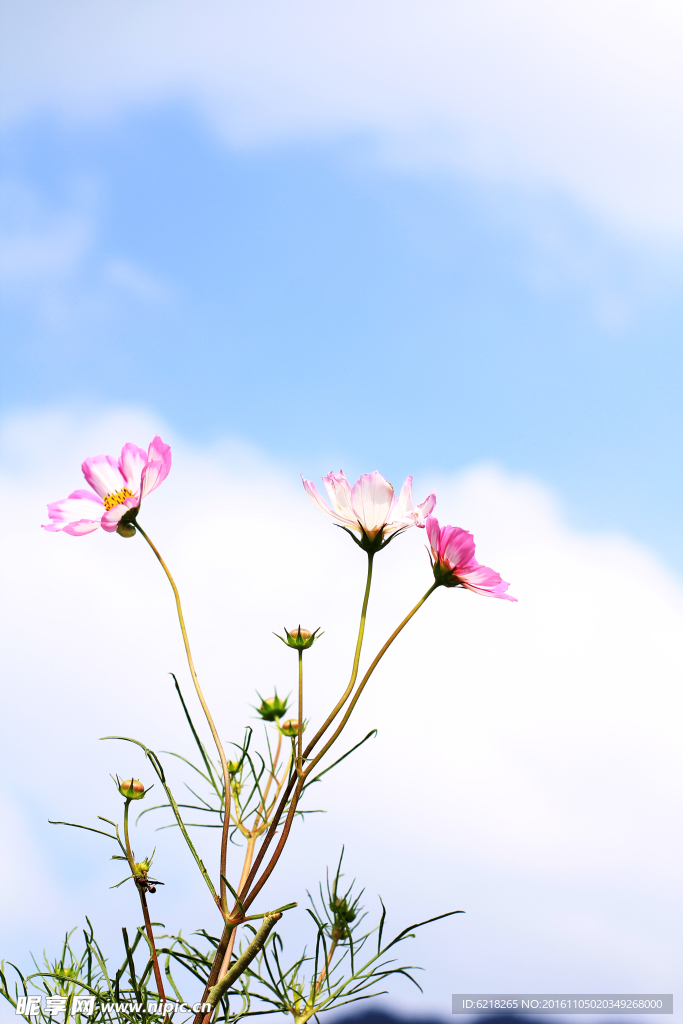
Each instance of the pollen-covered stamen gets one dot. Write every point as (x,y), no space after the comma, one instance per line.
(115,498)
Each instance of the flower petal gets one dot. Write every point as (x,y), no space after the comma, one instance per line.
(158,466)
(312,492)
(433,535)
(372,497)
(131,464)
(112,518)
(339,492)
(456,547)
(81,505)
(103,474)
(487,582)
(424,509)
(404,505)
(81,527)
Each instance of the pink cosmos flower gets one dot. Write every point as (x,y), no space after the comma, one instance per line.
(119,485)
(454,563)
(370,506)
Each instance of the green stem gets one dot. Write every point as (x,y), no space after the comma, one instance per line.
(299,765)
(143,904)
(366,677)
(253,949)
(129,852)
(212,727)
(356,660)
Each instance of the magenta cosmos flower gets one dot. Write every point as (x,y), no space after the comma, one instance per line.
(119,485)
(454,563)
(370,507)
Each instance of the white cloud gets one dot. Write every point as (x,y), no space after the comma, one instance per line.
(584,98)
(527,767)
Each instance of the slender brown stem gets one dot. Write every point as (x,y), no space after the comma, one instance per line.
(246,903)
(143,902)
(212,727)
(269,835)
(228,931)
(225,965)
(150,936)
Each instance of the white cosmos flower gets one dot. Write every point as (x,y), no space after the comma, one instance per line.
(370,507)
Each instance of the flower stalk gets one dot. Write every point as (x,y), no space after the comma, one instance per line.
(135,871)
(212,727)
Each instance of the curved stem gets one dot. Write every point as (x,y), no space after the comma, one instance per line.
(212,727)
(356,660)
(366,677)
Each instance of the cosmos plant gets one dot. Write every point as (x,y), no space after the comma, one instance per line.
(236,963)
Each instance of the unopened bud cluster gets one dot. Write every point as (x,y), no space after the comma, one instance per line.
(343,916)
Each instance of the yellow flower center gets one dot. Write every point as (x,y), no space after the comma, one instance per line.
(116,498)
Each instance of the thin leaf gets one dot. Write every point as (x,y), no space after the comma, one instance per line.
(86,827)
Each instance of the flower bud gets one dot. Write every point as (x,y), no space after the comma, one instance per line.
(291,727)
(233,767)
(126,529)
(301,634)
(132,789)
(69,973)
(340,908)
(343,916)
(300,639)
(272,708)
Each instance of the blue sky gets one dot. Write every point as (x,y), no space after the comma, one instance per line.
(330,309)
(304,236)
